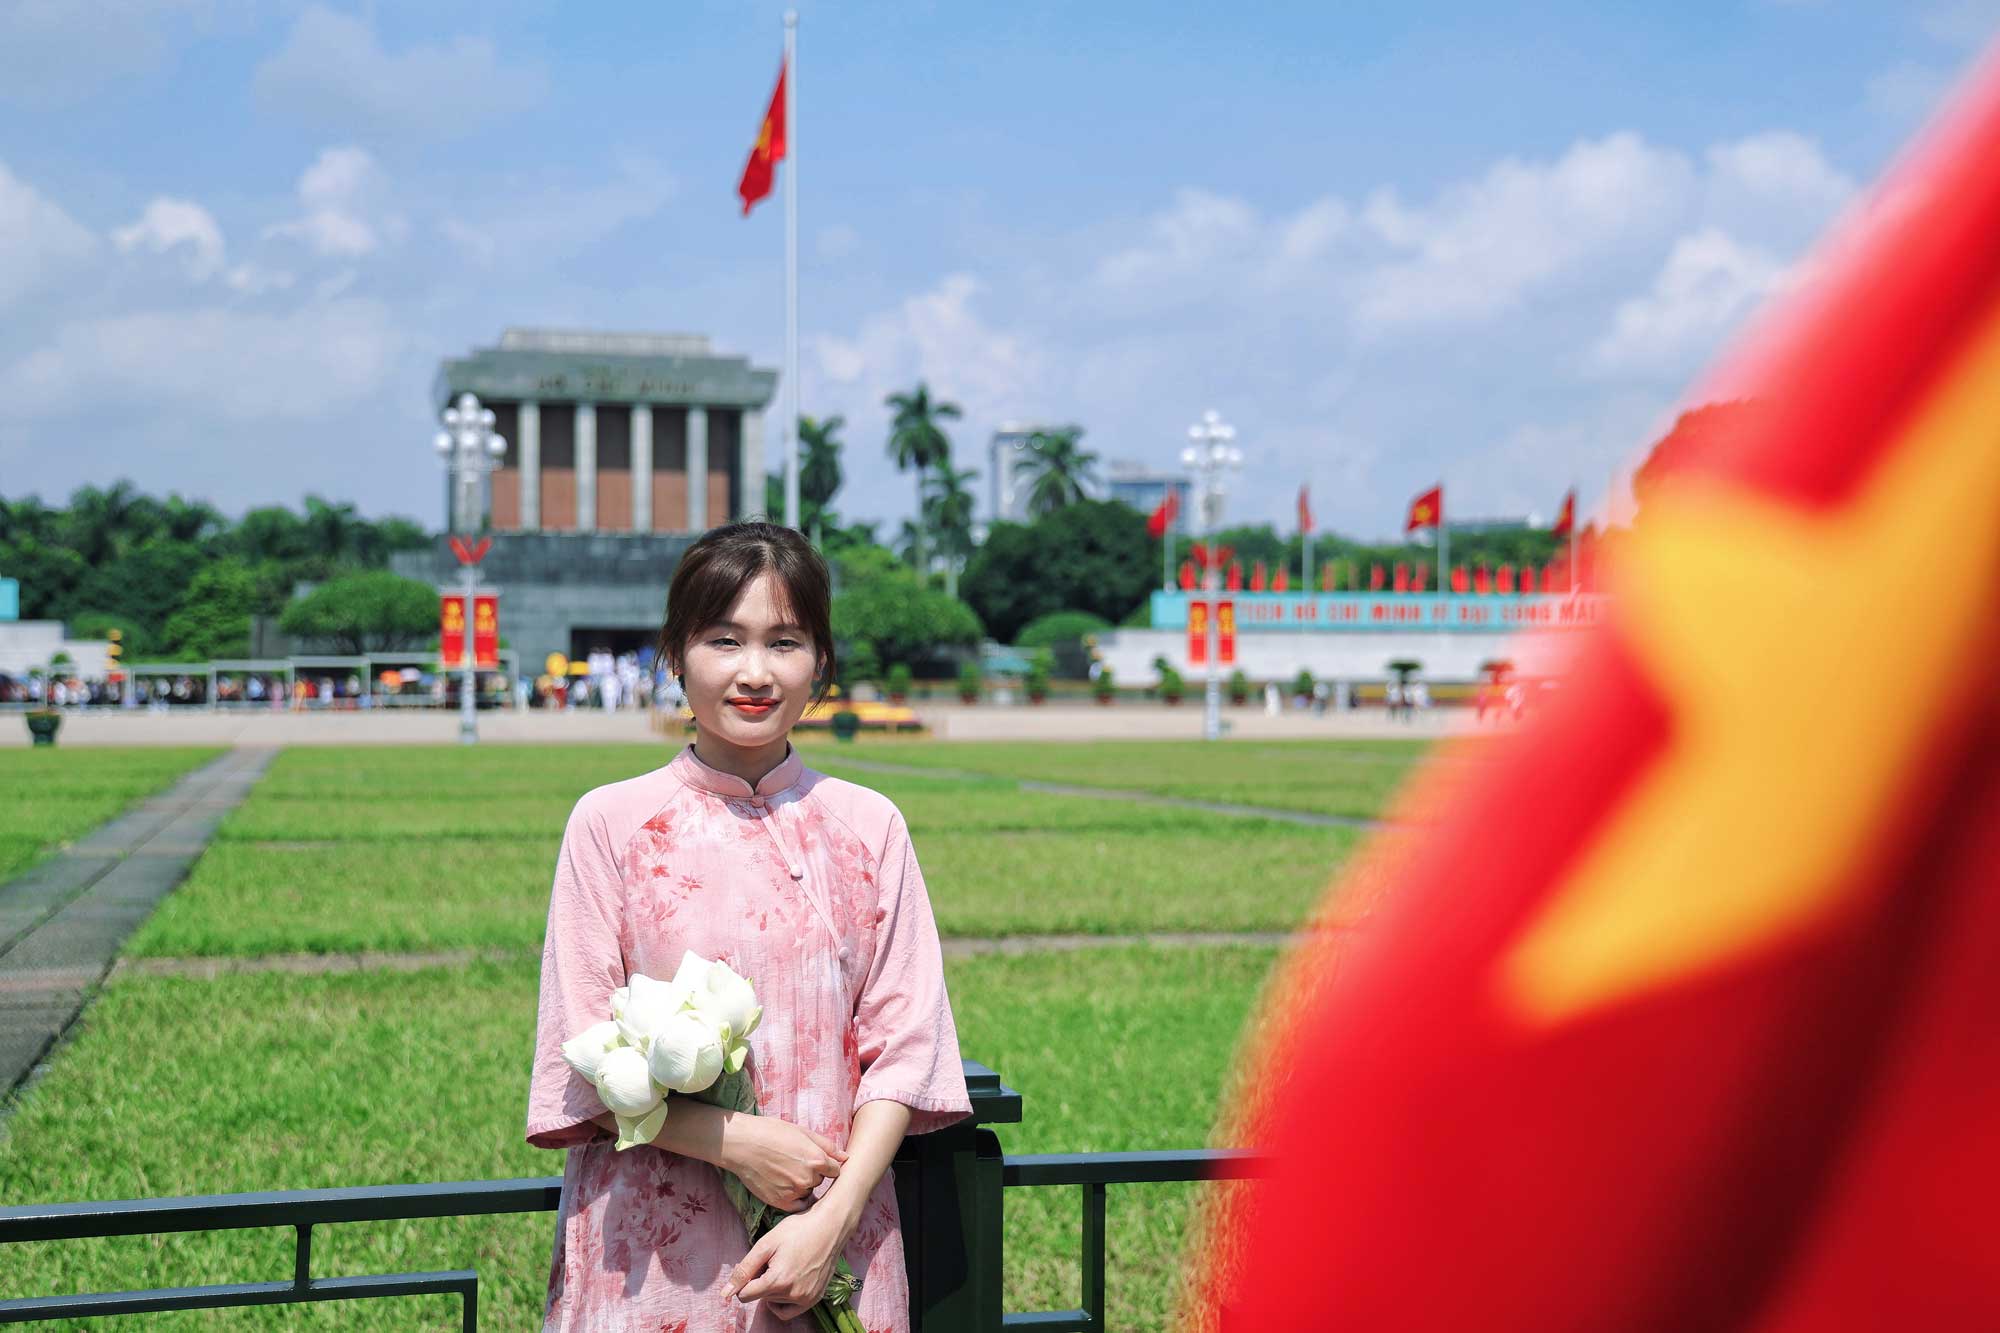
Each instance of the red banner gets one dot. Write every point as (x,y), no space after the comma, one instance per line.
(486,630)
(1225,633)
(451,630)
(1198,633)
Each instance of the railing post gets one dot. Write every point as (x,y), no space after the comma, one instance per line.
(948,1187)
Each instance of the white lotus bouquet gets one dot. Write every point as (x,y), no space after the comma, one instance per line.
(687,1036)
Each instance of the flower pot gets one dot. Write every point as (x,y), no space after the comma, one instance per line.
(1239,699)
(896,698)
(1104,700)
(1173,700)
(845,724)
(968,697)
(1038,698)
(43,725)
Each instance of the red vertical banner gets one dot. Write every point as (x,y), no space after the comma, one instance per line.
(451,630)
(1225,633)
(486,630)
(1198,633)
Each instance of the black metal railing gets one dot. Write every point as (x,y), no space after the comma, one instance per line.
(949,1188)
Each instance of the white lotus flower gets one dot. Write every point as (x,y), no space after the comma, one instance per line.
(586,1050)
(686,1055)
(728,1003)
(693,972)
(648,1006)
(623,1084)
(635,1130)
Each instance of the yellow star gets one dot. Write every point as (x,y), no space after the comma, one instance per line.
(1806,658)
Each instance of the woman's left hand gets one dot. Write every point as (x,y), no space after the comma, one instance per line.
(789,1266)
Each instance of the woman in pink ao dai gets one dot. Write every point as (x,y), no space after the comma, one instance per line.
(806,885)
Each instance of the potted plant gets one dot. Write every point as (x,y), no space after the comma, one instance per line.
(1172,688)
(845,724)
(1103,687)
(1239,687)
(45,721)
(1036,682)
(897,683)
(968,682)
(1302,686)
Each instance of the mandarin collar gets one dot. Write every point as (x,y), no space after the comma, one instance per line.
(689,768)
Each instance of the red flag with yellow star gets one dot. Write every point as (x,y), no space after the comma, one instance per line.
(1710,1042)
(769,150)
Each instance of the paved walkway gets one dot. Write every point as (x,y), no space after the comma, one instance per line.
(1307,817)
(62,923)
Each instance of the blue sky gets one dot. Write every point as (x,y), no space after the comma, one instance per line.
(1489,243)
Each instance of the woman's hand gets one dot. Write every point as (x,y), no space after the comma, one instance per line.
(779,1162)
(789,1266)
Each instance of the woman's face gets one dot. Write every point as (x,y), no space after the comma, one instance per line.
(749,676)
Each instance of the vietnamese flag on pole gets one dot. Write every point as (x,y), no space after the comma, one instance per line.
(1305,512)
(762,168)
(1427,510)
(1709,1042)
(1163,517)
(1566,516)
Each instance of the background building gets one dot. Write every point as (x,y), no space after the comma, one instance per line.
(1009,467)
(1143,489)
(617,432)
(621,449)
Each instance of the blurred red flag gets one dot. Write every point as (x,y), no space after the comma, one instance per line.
(1566,516)
(1233,580)
(1708,1044)
(1257,577)
(1305,512)
(1503,579)
(1163,517)
(1279,580)
(1400,579)
(1375,577)
(1187,575)
(1482,582)
(1420,578)
(1461,582)
(762,168)
(1326,577)
(1426,511)
(1527,578)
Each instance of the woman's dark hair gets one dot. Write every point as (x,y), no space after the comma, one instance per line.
(714,571)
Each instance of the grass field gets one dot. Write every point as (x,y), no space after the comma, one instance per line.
(1354,778)
(265,1081)
(53,796)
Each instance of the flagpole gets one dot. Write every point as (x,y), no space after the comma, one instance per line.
(1573,526)
(791,422)
(1444,543)
(1305,549)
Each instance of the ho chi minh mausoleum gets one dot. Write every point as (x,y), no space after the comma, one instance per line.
(621,448)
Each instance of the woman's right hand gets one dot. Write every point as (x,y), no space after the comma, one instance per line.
(779,1162)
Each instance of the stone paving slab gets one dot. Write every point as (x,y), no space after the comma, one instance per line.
(62,923)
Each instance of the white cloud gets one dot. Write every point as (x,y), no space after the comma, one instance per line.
(1907,92)
(341,194)
(1197,231)
(1480,248)
(334,75)
(176,225)
(37,238)
(1708,283)
(1778,169)
(214,362)
(837,242)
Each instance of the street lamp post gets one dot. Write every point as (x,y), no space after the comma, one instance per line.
(469,447)
(1209,452)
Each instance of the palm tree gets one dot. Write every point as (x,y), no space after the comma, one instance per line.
(819,470)
(917,441)
(948,514)
(1060,467)
(333,530)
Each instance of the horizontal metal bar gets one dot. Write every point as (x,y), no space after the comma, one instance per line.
(278,1208)
(1132,1168)
(1050,1321)
(457,1281)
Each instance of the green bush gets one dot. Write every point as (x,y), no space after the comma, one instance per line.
(1060,627)
(1036,682)
(1239,686)
(898,679)
(1303,684)
(1172,687)
(969,679)
(1104,687)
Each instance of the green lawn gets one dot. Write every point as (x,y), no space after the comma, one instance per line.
(53,796)
(377,1078)
(266,1081)
(1353,778)
(416,861)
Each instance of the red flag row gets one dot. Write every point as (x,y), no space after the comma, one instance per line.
(1346,576)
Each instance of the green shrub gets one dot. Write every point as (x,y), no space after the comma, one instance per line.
(898,679)
(1172,687)
(1303,684)
(969,679)
(1103,687)
(1239,686)
(1060,627)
